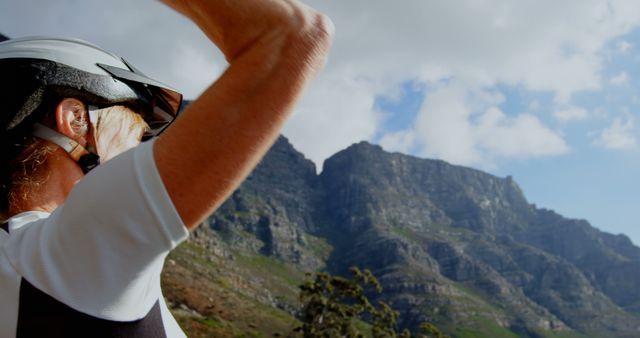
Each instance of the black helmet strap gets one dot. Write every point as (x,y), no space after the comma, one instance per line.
(86,160)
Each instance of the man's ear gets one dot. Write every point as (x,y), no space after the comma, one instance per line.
(72,120)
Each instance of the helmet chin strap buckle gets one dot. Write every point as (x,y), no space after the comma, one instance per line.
(86,160)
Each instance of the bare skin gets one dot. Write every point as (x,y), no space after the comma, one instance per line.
(62,172)
(274,48)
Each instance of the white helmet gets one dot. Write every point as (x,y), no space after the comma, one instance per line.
(35,69)
(40,71)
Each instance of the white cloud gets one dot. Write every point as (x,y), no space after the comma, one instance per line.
(152,37)
(196,74)
(520,136)
(620,135)
(448,127)
(334,113)
(401,141)
(523,42)
(443,128)
(379,45)
(534,105)
(624,46)
(480,44)
(570,114)
(620,79)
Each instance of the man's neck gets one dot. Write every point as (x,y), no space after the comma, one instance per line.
(61,174)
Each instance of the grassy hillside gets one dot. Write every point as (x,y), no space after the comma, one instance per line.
(212,296)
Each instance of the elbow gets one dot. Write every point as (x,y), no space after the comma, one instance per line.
(295,33)
(312,30)
(321,30)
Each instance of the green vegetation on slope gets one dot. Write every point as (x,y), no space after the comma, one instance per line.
(215,297)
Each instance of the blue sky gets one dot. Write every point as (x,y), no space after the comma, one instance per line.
(589,182)
(596,181)
(593,180)
(542,90)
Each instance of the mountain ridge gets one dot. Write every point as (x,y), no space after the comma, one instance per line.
(451,245)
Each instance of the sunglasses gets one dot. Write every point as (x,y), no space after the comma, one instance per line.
(162,104)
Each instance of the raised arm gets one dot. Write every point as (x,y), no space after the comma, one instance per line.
(274,48)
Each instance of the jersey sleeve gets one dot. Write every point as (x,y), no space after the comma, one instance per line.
(102,252)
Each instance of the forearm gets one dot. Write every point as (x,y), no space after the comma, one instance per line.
(205,155)
(235,25)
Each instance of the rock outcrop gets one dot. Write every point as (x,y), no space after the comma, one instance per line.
(451,245)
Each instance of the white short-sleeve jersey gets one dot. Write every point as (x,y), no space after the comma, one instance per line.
(92,267)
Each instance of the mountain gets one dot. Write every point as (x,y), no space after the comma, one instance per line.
(2,38)
(450,245)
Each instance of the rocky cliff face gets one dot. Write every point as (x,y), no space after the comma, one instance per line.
(546,271)
(450,245)
(273,212)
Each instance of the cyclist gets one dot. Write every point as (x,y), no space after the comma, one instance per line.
(92,212)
